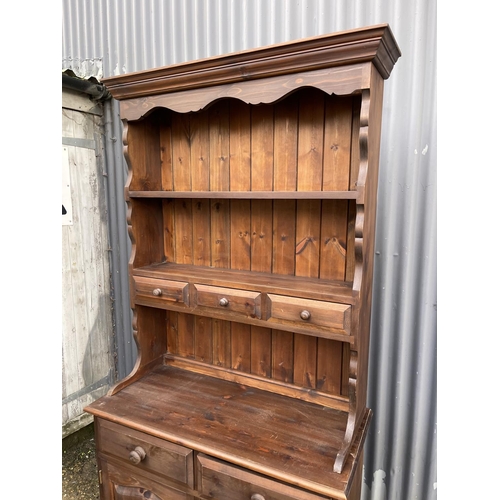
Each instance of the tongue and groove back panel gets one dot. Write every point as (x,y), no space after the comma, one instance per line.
(307,141)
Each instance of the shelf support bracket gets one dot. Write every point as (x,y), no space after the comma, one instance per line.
(352,420)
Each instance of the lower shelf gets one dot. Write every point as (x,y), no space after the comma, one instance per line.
(283,438)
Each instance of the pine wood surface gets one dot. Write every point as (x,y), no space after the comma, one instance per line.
(291,441)
(279,284)
(252,196)
(373,44)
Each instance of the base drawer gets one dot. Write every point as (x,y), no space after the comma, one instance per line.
(146,452)
(221,481)
(121,483)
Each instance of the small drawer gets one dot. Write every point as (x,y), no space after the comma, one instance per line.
(305,312)
(155,292)
(222,481)
(228,300)
(146,452)
(120,482)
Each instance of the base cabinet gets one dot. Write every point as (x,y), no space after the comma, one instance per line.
(136,466)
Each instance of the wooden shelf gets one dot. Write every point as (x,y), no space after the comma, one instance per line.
(283,438)
(309,288)
(243,195)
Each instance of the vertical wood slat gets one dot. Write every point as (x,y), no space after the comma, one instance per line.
(239,146)
(221,338)
(240,259)
(262,148)
(239,168)
(201,232)
(310,141)
(329,370)
(309,177)
(334,230)
(203,341)
(148,216)
(307,237)
(203,334)
(285,179)
(183,214)
(284,224)
(305,360)
(201,161)
(165,132)
(219,146)
(334,227)
(185,335)
(172,333)
(337,144)
(181,152)
(184,221)
(142,147)
(261,251)
(285,144)
(200,151)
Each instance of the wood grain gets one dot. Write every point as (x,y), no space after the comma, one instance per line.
(252,195)
(258,430)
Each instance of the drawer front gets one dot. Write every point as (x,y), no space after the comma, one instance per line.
(146,452)
(228,300)
(222,481)
(310,312)
(154,292)
(120,483)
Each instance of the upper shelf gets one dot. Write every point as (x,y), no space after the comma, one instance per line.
(374,44)
(254,195)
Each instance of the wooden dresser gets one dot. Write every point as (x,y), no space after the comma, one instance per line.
(252,197)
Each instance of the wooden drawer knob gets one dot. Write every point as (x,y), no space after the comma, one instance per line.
(137,455)
(157,292)
(223,302)
(305,315)
(256,496)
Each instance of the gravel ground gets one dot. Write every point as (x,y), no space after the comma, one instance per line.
(79,467)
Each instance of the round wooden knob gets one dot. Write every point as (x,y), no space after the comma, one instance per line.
(256,496)
(157,292)
(223,302)
(137,455)
(305,315)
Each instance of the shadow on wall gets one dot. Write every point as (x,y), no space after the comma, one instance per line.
(98,366)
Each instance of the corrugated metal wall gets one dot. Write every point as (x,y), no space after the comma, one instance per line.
(111,37)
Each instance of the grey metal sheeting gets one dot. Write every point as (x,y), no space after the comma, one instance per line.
(104,37)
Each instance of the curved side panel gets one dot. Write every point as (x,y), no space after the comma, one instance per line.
(352,425)
(360,185)
(148,327)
